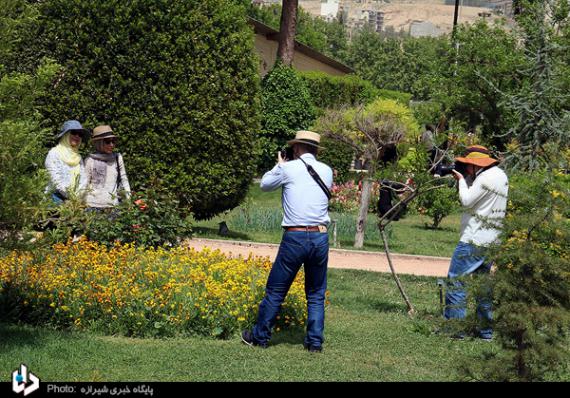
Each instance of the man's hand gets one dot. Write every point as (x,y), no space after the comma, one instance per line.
(279,158)
(457,175)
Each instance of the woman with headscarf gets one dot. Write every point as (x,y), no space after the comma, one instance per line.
(64,163)
(104,180)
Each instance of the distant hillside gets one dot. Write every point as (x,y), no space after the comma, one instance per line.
(416,17)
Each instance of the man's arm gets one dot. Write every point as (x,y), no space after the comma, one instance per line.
(273,179)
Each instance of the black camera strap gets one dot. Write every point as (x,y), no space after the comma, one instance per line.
(317,178)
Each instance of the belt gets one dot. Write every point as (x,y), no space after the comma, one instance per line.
(311,228)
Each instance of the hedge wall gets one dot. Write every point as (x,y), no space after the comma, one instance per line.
(337,91)
(330,91)
(287,107)
(177,80)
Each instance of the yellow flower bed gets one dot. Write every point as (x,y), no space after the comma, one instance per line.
(141,292)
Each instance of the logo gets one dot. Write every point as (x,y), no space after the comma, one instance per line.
(20,380)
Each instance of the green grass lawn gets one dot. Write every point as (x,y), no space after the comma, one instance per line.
(369,337)
(259,219)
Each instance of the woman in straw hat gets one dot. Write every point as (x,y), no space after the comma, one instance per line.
(105,178)
(483,195)
(64,163)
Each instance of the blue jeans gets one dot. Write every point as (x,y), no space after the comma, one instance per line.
(297,248)
(468,260)
(57,199)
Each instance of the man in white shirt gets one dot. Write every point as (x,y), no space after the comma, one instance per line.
(305,240)
(483,195)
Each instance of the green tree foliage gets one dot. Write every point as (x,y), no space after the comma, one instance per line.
(531,284)
(402,64)
(21,133)
(178,81)
(539,106)
(287,107)
(476,76)
(329,38)
(336,91)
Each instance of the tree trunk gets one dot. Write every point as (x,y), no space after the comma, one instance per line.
(363,212)
(287,30)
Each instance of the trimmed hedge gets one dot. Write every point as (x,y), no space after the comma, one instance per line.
(178,81)
(287,107)
(330,91)
(335,92)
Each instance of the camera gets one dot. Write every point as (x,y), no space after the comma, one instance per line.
(443,170)
(287,153)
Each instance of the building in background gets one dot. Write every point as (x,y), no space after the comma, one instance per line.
(305,58)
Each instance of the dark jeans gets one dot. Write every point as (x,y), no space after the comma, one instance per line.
(468,260)
(297,248)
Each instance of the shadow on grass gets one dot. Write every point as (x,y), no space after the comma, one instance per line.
(20,336)
(291,336)
(428,228)
(213,233)
(382,306)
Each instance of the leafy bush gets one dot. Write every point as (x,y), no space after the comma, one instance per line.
(149,218)
(22,181)
(346,197)
(287,107)
(398,96)
(334,91)
(338,156)
(532,281)
(437,203)
(140,292)
(178,81)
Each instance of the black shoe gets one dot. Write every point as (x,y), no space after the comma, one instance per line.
(247,338)
(312,348)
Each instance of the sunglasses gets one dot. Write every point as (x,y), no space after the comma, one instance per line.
(108,141)
(76,133)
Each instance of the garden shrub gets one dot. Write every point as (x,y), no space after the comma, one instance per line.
(398,96)
(178,81)
(150,217)
(338,156)
(287,107)
(531,282)
(140,292)
(329,91)
(435,204)
(22,134)
(346,197)
(22,180)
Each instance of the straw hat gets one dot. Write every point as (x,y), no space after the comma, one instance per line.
(477,155)
(306,137)
(102,132)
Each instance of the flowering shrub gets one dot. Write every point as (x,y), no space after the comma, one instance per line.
(346,197)
(140,291)
(151,217)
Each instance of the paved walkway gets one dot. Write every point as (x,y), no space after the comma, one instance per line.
(338,258)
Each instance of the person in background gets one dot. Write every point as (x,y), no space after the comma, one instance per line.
(64,163)
(483,195)
(305,240)
(104,181)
